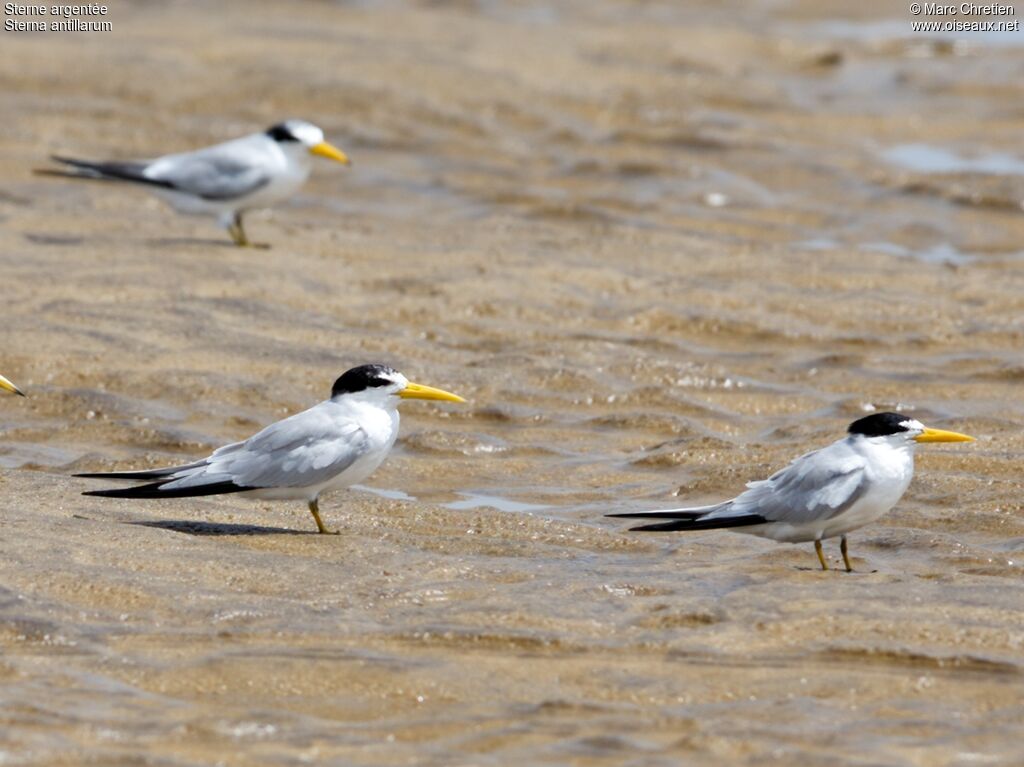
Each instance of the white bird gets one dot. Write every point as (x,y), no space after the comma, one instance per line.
(8,386)
(334,444)
(822,494)
(224,180)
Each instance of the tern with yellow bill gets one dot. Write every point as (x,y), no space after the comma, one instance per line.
(224,180)
(334,444)
(822,494)
(8,386)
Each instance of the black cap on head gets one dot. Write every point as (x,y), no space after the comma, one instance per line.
(880,424)
(362,378)
(281,132)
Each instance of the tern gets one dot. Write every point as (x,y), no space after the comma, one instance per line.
(224,180)
(8,386)
(822,494)
(334,444)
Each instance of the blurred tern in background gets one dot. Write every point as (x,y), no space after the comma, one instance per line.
(822,494)
(334,444)
(224,180)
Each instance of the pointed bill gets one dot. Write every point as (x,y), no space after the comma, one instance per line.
(938,435)
(8,386)
(419,391)
(323,149)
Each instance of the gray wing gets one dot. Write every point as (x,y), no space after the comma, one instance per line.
(816,486)
(306,449)
(222,172)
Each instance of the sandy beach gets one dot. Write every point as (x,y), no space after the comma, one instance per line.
(661,251)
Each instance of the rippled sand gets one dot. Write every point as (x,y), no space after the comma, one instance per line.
(660,251)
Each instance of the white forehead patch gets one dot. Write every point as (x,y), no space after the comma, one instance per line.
(307,133)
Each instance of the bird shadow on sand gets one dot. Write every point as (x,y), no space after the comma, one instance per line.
(840,570)
(164,242)
(54,239)
(217,528)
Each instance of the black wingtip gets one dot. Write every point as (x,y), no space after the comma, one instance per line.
(73,162)
(109,494)
(663,527)
(157,490)
(145,491)
(81,169)
(699,523)
(665,514)
(627,514)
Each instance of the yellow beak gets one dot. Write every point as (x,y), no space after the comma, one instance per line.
(8,386)
(418,391)
(330,152)
(938,435)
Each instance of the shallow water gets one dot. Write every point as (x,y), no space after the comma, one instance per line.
(660,251)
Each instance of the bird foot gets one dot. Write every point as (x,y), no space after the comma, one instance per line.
(244,242)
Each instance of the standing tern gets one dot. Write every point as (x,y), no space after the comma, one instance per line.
(334,444)
(224,180)
(8,386)
(822,494)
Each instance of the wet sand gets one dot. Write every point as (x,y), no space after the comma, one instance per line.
(661,252)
